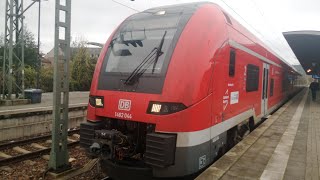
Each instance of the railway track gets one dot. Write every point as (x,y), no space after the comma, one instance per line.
(26,149)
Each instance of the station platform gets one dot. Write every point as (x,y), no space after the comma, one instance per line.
(75,99)
(27,120)
(285,146)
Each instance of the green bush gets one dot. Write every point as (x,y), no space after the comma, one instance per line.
(82,70)
(30,76)
(46,79)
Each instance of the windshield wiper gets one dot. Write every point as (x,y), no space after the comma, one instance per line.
(137,72)
(159,52)
(147,61)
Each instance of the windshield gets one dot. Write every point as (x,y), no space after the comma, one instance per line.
(136,40)
(140,51)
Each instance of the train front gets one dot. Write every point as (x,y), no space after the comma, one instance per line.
(138,104)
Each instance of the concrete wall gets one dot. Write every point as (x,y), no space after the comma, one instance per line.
(28,124)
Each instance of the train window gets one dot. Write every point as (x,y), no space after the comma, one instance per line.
(227,17)
(285,82)
(232,63)
(285,85)
(271,87)
(135,45)
(126,55)
(252,78)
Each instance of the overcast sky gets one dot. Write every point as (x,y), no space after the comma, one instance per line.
(94,20)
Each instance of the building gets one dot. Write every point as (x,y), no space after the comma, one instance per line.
(48,59)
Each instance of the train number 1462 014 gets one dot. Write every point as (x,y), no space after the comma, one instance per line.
(123,115)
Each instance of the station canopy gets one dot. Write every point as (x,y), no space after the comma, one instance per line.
(306,47)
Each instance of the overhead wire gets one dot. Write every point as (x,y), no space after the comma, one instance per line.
(266,21)
(286,45)
(257,31)
(252,27)
(126,6)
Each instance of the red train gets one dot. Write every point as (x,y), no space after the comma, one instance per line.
(176,85)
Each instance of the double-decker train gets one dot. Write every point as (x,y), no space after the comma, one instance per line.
(176,85)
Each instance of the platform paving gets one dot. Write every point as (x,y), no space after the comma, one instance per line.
(75,98)
(286,146)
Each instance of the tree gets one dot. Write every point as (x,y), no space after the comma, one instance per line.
(46,79)
(1,40)
(1,49)
(30,49)
(82,69)
(30,77)
(1,59)
(30,60)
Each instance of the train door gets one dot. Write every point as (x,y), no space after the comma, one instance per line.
(265,78)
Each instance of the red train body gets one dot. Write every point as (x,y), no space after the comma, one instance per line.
(174,85)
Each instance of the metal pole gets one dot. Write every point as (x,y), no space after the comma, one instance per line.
(4,74)
(59,154)
(13,63)
(4,68)
(22,52)
(39,58)
(27,7)
(10,78)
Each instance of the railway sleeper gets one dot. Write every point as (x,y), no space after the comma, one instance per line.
(4,155)
(46,157)
(21,150)
(77,136)
(71,140)
(38,146)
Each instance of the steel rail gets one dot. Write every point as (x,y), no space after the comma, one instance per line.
(30,140)
(30,155)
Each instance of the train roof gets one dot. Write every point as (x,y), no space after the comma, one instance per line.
(186,7)
(189,8)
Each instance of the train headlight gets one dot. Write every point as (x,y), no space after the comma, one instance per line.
(96,101)
(99,102)
(156,108)
(162,108)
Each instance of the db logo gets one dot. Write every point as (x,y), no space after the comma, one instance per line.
(124,104)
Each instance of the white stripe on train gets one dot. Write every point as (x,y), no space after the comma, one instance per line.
(187,139)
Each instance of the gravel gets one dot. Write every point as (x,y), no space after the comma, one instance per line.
(35,168)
